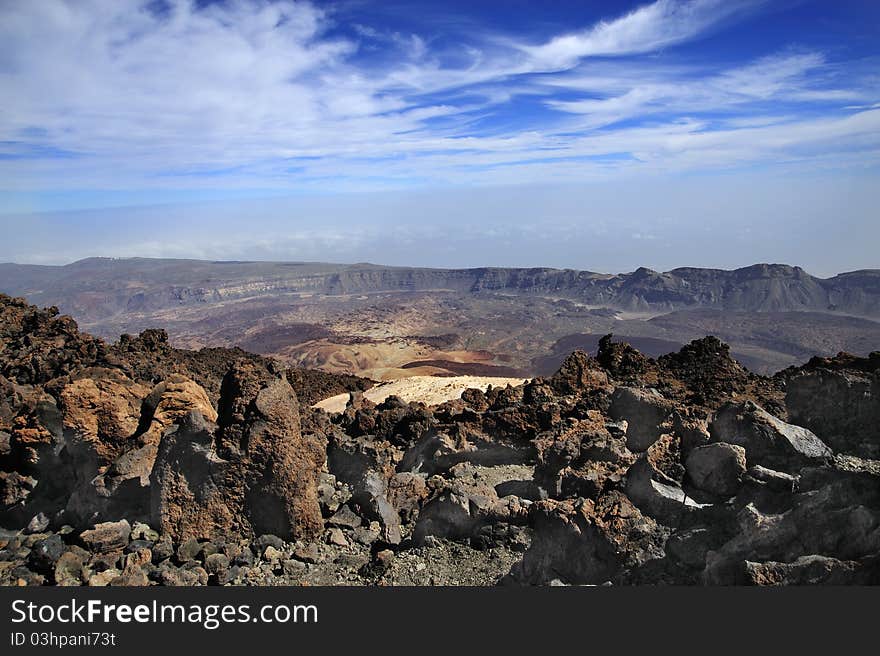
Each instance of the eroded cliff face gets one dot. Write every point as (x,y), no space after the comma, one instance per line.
(107,287)
(139,464)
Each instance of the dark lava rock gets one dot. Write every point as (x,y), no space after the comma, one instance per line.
(45,553)
(578,374)
(768,441)
(839,400)
(717,468)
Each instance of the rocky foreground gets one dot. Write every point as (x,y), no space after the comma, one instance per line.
(139,464)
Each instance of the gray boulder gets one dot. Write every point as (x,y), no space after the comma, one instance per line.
(717,468)
(657,495)
(768,441)
(843,408)
(645,412)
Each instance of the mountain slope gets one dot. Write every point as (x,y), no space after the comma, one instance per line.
(98,288)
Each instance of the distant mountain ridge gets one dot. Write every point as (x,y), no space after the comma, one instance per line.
(97,288)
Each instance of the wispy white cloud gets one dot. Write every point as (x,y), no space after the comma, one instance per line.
(259,94)
(646,29)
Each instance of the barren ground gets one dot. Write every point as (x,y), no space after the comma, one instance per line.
(430,390)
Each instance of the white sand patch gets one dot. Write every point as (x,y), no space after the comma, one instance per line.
(430,390)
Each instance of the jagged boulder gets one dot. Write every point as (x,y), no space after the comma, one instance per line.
(122,487)
(841,407)
(253,473)
(717,468)
(646,413)
(36,443)
(475,399)
(581,458)
(439,451)
(407,492)
(171,400)
(107,537)
(187,495)
(621,360)
(708,371)
(837,516)
(39,345)
(102,412)
(578,374)
(367,466)
(767,440)
(659,496)
(15,488)
(814,570)
(691,431)
(588,542)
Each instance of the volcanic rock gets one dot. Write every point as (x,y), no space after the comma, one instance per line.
(842,406)
(69,569)
(578,374)
(107,537)
(717,468)
(39,345)
(767,440)
(645,412)
(367,465)
(45,553)
(171,400)
(708,371)
(620,360)
(657,495)
(344,518)
(258,476)
(814,570)
(459,509)
(407,493)
(38,524)
(587,542)
(581,459)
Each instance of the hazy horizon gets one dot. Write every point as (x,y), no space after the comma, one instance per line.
(588,228)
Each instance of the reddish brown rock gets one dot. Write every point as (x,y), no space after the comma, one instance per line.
(251,474)
(407,492)
(581,458)
(102,409)
(171,400)
(104,418)
(578,374)
(621,360)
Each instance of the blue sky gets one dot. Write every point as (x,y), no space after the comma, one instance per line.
(596,135)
